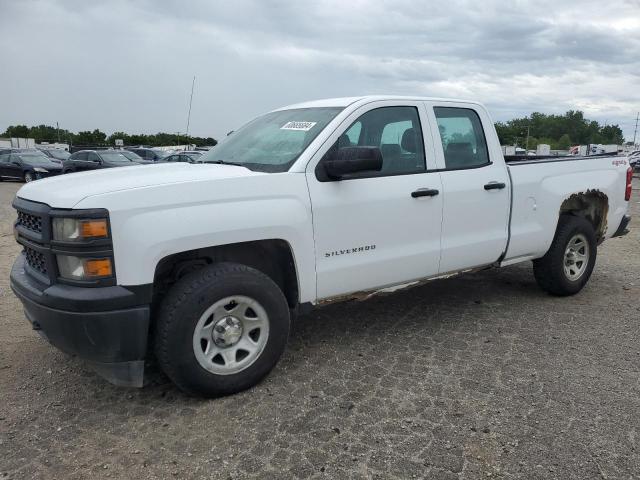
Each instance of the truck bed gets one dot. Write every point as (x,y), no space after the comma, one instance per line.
(528,159)
(539,185)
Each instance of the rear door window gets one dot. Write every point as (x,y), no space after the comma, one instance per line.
(462,136)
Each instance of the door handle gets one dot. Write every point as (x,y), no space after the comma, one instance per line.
(425,192)
(495,186)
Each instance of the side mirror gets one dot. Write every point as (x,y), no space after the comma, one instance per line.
(348,160)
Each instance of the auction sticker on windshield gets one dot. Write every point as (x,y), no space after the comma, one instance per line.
(302,126)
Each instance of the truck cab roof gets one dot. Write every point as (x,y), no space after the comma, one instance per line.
(347,101)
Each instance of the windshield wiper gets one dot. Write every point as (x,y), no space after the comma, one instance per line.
(224,162)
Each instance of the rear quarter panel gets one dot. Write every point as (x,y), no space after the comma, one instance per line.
(540,188)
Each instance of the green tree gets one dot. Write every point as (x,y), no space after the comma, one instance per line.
(550,129)
(564,142)
(16,131)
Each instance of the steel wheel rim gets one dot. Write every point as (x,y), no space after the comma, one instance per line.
(230,335)
(576,257)
(28,178)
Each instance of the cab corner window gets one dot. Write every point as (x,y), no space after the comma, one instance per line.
(396,131)
(462,137)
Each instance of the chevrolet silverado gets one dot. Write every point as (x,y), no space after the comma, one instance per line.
(203,266)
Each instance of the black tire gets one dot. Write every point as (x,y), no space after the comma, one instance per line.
(187,301)
(28,177)
(549,270)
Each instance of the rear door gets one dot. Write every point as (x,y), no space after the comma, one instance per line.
(375,229)
(476,187)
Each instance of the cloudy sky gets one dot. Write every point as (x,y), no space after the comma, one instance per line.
(129,64)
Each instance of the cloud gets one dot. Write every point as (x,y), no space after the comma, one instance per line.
(129,64)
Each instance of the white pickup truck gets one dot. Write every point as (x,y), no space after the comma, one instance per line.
(203,266)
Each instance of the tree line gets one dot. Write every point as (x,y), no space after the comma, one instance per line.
(47,133)
(559,131)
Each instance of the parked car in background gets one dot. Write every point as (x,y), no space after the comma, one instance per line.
(94,159)
(134,157)
(634,160)
(56,155)
(29,150)
(188,157)
(148,153)
(26,165)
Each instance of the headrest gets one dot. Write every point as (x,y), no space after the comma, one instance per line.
(409,140)
(344,141)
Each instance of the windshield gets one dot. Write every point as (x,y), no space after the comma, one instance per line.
(272,142)
(114,157)
(35,159)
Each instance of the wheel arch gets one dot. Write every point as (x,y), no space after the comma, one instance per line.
(273,257)
(593,205)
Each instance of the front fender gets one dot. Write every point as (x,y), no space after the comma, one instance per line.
(176,218)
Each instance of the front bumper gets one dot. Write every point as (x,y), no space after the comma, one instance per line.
(47,174)
(106,326)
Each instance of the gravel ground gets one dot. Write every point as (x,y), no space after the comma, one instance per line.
(480,376)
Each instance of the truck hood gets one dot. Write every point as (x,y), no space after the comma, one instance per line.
(68,190)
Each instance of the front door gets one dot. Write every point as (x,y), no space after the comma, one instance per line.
(377,229)
(4,164)
(476,190)
(14,167)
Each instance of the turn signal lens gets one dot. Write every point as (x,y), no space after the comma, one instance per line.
(98,268)
(93,228)
(77,268)
(78,229)
(629,188)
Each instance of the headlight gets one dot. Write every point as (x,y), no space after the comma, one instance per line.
(39,169)
(77,268)
(78,229)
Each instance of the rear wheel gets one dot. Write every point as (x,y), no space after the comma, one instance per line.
(221,329)
(567,266)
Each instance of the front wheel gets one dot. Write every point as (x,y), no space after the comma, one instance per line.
(221,329)
(28,177)
(567,266)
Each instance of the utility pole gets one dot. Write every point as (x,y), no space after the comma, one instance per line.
(526,146)
(190,101)
(636,130)
(58,130)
